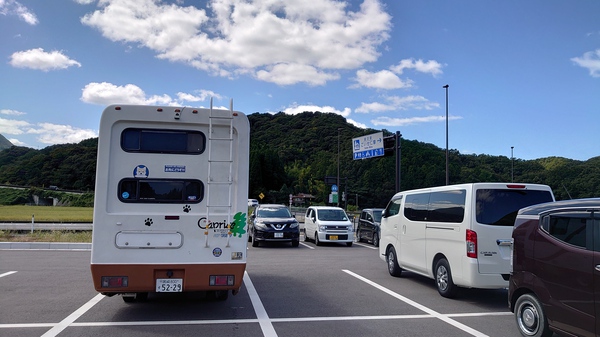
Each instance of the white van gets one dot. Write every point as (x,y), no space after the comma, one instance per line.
(459,235)
(328,224)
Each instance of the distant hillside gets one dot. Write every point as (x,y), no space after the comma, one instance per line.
(4,143)
(291,154)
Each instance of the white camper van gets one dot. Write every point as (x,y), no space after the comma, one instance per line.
(459,235)
(170,201)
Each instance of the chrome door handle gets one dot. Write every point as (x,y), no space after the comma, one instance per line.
(597,267)
(500,242)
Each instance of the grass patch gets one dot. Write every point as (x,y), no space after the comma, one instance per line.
(45,236)
(23,213)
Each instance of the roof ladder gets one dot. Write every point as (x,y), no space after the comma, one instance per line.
(220,167)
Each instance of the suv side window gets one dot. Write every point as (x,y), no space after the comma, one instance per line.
(571,228)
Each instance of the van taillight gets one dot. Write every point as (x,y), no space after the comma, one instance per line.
(471,244)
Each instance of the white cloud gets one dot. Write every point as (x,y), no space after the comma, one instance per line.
(273,40)
(60,134)
(285,74)
(398,103)
(590,61)
(16,142)
(107,93)
(387,121)
(38,59)
(11,7)
(13,127)
(11,112)
(357,124)
(297,109)
(430,67)
(201,96)
(383,79)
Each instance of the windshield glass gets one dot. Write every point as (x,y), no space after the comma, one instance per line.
(377,216)
(274,212)
(331,215)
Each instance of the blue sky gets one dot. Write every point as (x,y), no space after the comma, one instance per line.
(522,74)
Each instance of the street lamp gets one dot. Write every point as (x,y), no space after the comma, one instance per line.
(512,165)
(447,173)
(338,169)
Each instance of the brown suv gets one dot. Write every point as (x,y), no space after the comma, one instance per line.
(555,280)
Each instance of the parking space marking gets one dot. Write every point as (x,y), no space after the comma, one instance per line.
(58,328)
(306,245)
(7,273)
(263,318)
(419,306)
(366,246)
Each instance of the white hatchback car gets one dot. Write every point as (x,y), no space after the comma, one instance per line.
(328,224)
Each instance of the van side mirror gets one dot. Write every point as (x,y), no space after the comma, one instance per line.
(384,213)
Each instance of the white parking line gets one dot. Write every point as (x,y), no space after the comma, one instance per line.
(421,307)
(58,328)
(366,246)
(7,273)
(263,318)
(307,246)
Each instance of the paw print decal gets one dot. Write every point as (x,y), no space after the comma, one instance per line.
(148,222)
(187,208)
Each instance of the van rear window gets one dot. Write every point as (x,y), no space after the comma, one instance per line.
(499,207)
(163,141)
(133,190)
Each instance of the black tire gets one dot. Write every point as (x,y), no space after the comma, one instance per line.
(375,240)
(296,243)
(217,295)
(317,242)
(249,237)
(254,242)
(128,299)
(349,244)
(392,262)
(141,297)
(530,317)
(305,236)
(443,279)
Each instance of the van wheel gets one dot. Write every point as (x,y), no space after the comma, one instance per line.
(317,242)
(443,279)
(392,262)
(305,236)
(375,240)
(530,317)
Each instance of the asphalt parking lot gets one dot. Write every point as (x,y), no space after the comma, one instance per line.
(330,290)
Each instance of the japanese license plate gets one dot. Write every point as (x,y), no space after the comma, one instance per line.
(333,237)
(169,285)
(278,235)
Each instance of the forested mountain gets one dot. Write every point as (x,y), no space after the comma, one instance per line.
(291,154)
(4,143)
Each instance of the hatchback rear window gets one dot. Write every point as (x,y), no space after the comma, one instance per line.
(499,207)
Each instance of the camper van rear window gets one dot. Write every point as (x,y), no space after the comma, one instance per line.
(161,190)
(163,141)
